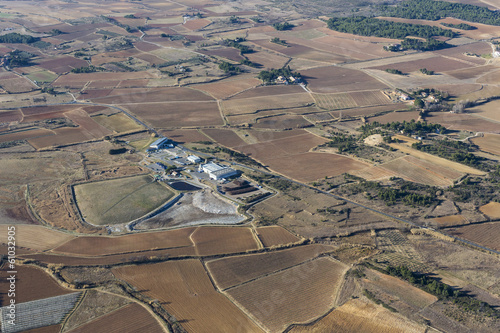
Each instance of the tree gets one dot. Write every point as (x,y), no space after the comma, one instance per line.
(419,103)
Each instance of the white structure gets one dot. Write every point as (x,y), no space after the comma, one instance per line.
(216,171)
(159,144)
(194,159)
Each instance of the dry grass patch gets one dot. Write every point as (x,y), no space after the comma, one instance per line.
(185,290)
(35,237)
(131,318)
(360,316)
(120,200)
(311,288)
(448,221)
(492,210)
(118,122)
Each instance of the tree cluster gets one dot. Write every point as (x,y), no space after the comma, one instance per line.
(274,73)
(443,291)
(430,44)
(229,68)
(16,38)
(461,26)
(456,151)
(435,10)
(426,71)
(283,26)
(20,58)
(365,26)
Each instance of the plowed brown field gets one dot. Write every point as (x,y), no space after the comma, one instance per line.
(359,316)
(185,290)
(492,210)
(275,235)
(299,294)
(219,240)
(229,272)
(131,318)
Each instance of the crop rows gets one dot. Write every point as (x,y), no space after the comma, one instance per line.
(39,313)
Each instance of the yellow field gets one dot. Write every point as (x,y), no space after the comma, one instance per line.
(492,210)
(295,295)
(437,160)
(359,316)
(488,110)
(35,237)
(451,220)
(184,289)
(489,143)
(117,122)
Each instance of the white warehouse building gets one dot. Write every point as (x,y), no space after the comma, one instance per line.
(159,144)
(194,159)
(217,172)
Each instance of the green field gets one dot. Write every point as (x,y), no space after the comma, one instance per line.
(117,122)
(43,76)
(120,200)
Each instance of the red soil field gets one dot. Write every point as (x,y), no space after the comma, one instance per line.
(196,24)
(470,73)
(152,95)
(185,290)
(145,47)
(93,246)
(225,137)
(336,79)
(82,119)
(307,167)
(437,64)
(270,91)
(228,53)
(46,329)
(225,88)
(152,59)
(267,59)
(232,271)
(63,64)
(218,240)
(8,116)
(299,294)
(63,136)
(184,136)
(132,318)
(275,235)
(32,283)
(94,93)
(281,122)
(111,259)
(177,114)
(485,234)
(24,135)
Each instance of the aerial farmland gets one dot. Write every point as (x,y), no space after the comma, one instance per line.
(249,166)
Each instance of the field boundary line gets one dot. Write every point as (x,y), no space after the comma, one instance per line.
(72,312)
(319,255)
